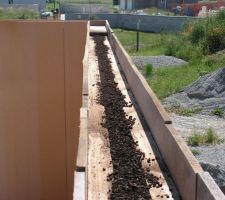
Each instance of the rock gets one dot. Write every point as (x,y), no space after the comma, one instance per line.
(207,93)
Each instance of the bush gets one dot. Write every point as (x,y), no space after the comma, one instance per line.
(214,40)
(170,48)
(194,140)
(186,112)
(208,33)
(209,62)
(218,112)
(148,70)
(198,32)
(221,15)
(209,137)
(195,152)
(183,49)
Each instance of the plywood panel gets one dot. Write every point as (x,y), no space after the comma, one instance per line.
(38,115)
(75,41)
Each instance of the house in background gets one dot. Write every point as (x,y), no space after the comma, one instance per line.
(141,4)
(41,3)
(169,4)
(134,4)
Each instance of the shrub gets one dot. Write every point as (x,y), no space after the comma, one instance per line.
(218,112)
(209,62)
(181,48)
(195,139)
(170,48)
(148,70)
(214,40)
(208,137)
(183,111)
(208,33)
(221,15)
(198,32)
(195,152)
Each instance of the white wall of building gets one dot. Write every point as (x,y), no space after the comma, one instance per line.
(129,4)
(122,4)
(126,4)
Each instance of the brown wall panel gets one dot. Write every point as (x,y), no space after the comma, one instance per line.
(75,36)
(40,98)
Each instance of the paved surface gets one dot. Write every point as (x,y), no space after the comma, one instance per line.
(158,61)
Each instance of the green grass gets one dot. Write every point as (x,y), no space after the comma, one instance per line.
(184,112)
(150,43)
(50,6)
(153,11)
(197,44)
(148,70)
(195,152)
(169,80)
(18,14)
(209,137)
(218,112)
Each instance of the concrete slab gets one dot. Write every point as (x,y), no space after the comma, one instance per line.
(79,187)
(98,30)
(82,146)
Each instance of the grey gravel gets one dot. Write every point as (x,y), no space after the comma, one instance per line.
(198,123)
(207,93)
(216,172)
(158,61)
(212,157)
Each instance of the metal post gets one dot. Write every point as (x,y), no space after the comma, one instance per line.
(138,28)
(89,12)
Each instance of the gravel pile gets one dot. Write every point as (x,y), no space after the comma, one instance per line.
(207,93)
(211,157)
(212,160)
(157,61)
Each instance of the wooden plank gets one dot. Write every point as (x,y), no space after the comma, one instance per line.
(173,148)
(99,153)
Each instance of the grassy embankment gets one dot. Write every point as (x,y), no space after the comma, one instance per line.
(198,44)
(18,14)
